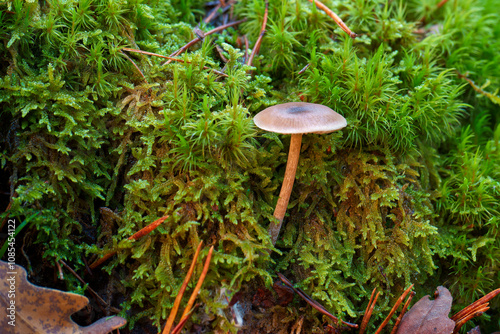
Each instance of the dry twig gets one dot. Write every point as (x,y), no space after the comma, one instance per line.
(256,48)
(212,14)
(177,302)
(197,39)
(473,310)
(189,307)
(314,303)
(393,310)
(61,275)
(89,289)
(403,311)
(170,58)
(368,311)
(304,69)
(335,17)
(441,3)
(135,65)
(142,232)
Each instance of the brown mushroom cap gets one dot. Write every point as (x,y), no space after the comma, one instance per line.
(299,117)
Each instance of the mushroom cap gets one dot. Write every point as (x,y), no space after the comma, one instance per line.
(299,117)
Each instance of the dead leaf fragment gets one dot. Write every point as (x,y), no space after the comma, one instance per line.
(429,316)
(34,309)
(475,330)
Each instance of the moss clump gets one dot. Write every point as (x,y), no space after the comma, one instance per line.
(101,150)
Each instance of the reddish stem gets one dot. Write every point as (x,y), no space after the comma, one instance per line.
(177,302)
(441,3)
(393,310)
(368,312)
(286,187)
(197,39)
(261,36)
(198,285)
(478,302)
(335,17)
(403,311)
(139,234)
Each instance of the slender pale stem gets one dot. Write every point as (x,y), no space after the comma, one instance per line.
(335,17)
(286,187)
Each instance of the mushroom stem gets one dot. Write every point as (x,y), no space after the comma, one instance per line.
(286,187)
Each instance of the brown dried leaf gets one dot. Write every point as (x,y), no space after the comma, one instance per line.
(429,316)
(34,309)
(475,330)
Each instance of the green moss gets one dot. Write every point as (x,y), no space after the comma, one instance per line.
(407,193)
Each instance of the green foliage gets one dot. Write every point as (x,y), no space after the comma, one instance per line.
(471,190)
(469,210)
(407,193)
(195,161)
(380,235)
(57,133)
(369,91)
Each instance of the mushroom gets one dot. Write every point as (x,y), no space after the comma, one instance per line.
(295,118)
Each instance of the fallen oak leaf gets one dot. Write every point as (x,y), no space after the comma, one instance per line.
(475,330)
(33,309)
(429,316)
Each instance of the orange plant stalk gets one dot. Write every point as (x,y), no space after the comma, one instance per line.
(393,310)
(256,48)
(475,309)
(335,17)
(177,302)
(403,311)
(170,59)
(187,311)
(200,282)
(139,234)
(368,312)
(197,39)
